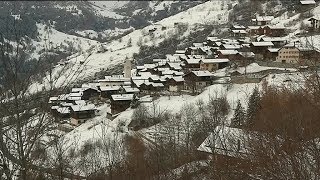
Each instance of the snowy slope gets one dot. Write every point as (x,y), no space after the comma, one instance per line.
(208,12)
(106,8)
(55,39)
(101,128)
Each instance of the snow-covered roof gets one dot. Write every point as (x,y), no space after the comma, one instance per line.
(273,50)
(265,43)
(197,44)
(122,97)
(54,107)
(109,88)
(75,98)
(208,61)
(276,27)
(196,56)
(65,104)
(246,54)
(239,31)
(307,2)
(193,61)
(238,27)
(176,66)
(78,89)
(213,39)
(118,78)
(253,27)
(316,17)
(83,107)
(76,94)
(180,51)
(80,102)
(178,78)
(231,46)
(228,52)
(227,141)
(63,110)
(202,73)
(131,89)
(264,18)
(53,99)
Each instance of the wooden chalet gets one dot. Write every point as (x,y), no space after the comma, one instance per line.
(81,112)
(277,41)
(175,84)
(244,58)
(191,64)
(197,80)
(260,48)
(213,64)
(121,102)
(227,54)
(271,54)
(107,91)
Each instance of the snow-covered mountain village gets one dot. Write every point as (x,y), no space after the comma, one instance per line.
(225,89)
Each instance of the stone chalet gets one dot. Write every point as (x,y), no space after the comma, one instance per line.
(296,54)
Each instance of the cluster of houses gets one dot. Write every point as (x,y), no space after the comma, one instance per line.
(268,42)
(188,70)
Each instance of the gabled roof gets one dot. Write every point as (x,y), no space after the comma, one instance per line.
(317,17)
(261,44)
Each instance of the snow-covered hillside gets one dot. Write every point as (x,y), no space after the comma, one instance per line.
(116,51)
(101,129)
(51,38)
(106,8)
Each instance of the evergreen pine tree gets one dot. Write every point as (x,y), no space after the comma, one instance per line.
(253,107)
(239,116)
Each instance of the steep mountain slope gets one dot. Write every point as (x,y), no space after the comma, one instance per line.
(112,53)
